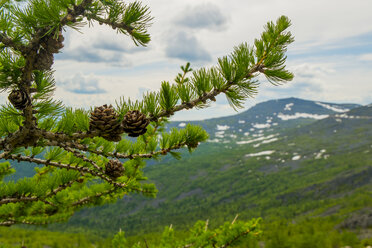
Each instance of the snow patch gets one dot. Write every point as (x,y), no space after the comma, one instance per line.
(263,153)
(301,115)
(219,134)
(256,140)
(288,107)
(297,157)
(260,126)
(345,116)
(333,108)
(319,155)
(222,127)
(269,141)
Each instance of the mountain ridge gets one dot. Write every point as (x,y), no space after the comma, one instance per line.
(277,170)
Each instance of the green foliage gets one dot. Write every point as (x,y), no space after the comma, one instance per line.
(5,170)
(119,240)
(74,162)
(218,181)
(229,234)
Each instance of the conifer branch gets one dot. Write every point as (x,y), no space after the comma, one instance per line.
(81,156)
(87,199)
(129,156)
(111,23)
(81,169)
(8,42)
(206,96)
(35,120)
(235,238)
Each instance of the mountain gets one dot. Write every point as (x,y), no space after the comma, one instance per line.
(315,162)
(270,116)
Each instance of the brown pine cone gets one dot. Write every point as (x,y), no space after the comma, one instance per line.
(135,123)
(19,99)
(105,120)
(114,168)
(52,44)
(44,60)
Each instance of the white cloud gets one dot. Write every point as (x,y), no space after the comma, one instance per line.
(366,57)
(202,16)
(80,84)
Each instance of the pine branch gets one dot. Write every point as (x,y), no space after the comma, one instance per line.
(87,199)
(237,237)
(36,198)
(81,156)
(73,140)
(206,96)
(81,169)
(8,42)
(111,23)
(128,156)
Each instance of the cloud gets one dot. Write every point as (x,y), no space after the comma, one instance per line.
(345,46)
(115,45)
(81,84)
(86,54)
(366,57)
(186,47)
(207,16)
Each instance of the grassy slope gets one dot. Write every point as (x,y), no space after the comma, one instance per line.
(219,181)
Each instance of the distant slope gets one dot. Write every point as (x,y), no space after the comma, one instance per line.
(271,116)
(319,169)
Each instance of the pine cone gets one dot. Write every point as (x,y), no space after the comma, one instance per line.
(19,99)
(135,123)
(105,120)
(51,44)
(114,168)
(44,60)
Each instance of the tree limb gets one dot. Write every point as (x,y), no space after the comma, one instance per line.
(68,167)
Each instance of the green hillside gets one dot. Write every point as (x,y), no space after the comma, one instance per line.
(315,170)
(308,176)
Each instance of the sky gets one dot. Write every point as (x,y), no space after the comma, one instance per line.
(331,57)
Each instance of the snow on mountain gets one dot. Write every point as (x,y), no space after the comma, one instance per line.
(301,115)
(333,108)
(288,106)
(222,127)
(271,117)
(263,153)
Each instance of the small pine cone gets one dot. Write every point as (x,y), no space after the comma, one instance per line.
(135,123)
(44,60)
(51,43)
(19,99)
(105,120)
(54,45)
(114,168)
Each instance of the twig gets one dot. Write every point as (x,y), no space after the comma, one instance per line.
(236,217)
(67,166)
